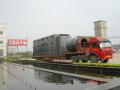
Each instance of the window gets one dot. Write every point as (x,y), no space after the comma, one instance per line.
(1,52)
(1,42)
(46,38)
(52,43)
(52,36)
(52,50)
(105,44)
(1,32)
(94,45)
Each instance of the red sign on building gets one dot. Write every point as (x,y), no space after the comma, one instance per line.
(17,42)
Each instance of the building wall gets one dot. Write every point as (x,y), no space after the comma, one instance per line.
(3,40)
(100,28)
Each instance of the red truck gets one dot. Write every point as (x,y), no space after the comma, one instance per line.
(80,48)
(91,49)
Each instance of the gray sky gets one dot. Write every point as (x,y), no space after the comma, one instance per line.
(33,19)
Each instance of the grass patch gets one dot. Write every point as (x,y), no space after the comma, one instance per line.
(13,58)
(99,64)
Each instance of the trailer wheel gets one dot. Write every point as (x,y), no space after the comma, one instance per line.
(74,59)
(84,61)
(67,57)
(105,61)
(93,58)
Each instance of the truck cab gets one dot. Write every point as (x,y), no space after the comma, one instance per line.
(100,49)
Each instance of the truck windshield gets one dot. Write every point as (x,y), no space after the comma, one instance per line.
(105,44)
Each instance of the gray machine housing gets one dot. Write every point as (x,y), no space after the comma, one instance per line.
(51,45)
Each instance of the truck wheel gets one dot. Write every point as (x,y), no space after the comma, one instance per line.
(74,59)
(67,57)
(84,61)
(105,61)
(93,59)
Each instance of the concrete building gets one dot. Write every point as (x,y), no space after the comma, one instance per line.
(100,28)
(3,40)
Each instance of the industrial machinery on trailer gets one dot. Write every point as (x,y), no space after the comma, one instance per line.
(80,48)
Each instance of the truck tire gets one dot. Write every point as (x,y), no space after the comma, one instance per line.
(105,61)
(74,59)
(84,61)
(67,57)
(93,58)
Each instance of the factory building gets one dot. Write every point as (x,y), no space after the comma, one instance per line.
(100,28)
(3,40)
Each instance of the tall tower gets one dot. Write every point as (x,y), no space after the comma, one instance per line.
(3,40)
(100,28)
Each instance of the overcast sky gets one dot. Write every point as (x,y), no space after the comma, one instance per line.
(34,19)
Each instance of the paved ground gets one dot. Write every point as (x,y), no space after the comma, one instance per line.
(2,85)
(116,59)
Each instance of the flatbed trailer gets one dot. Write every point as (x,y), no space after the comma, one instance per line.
(49,58)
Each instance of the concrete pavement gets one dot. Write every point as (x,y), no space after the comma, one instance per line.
(116,59)
(2,86)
